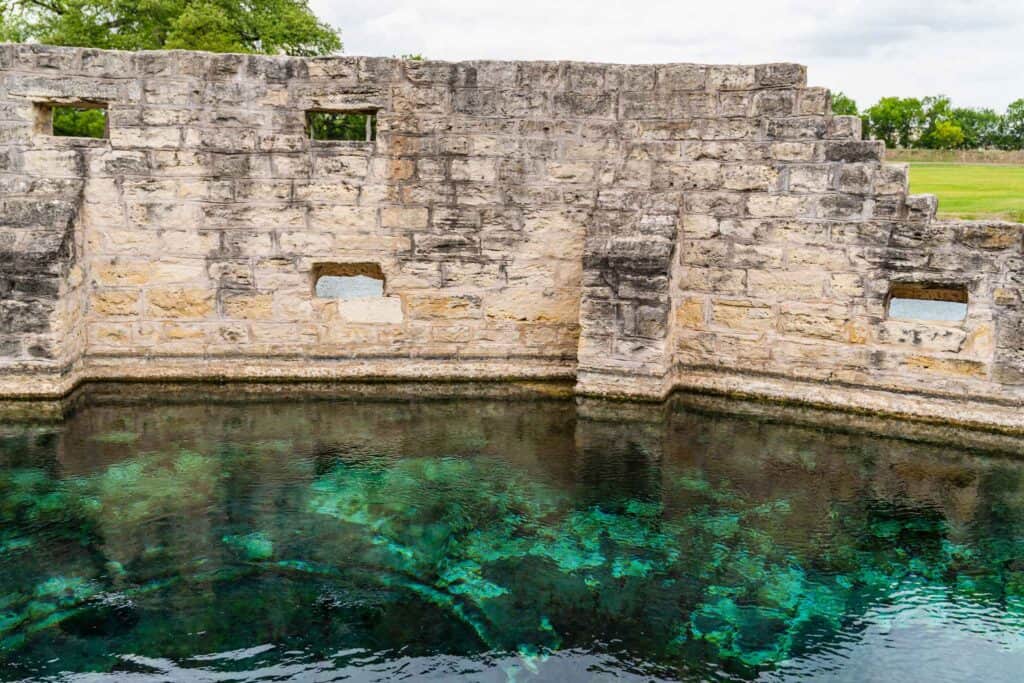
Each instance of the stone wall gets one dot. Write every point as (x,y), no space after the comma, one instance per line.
(635,227)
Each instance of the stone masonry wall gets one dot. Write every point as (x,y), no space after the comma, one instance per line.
(635,227)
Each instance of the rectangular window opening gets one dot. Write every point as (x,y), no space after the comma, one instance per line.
(348,281)
(344,126)
(936,302)
(80,120)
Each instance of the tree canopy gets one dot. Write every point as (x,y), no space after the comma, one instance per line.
(934,123)
(843,105)
(262,26)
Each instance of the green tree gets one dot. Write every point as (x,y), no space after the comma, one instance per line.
(79,123)
(937,124)
(843,105)
(262,26)
(1012,129)
(898,121)
(980,127)
(945,135)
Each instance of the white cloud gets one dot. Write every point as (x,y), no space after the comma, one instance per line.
(971,50)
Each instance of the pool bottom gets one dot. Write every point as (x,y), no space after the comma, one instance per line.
(496,539)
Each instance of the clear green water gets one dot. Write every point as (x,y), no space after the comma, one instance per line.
(493,541)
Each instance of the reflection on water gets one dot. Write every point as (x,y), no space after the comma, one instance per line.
(501,540)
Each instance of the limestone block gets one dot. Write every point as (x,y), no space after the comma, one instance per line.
(248,306)
(476,169)
(846,127)
(841,206)
(231,274)
(350,219)
(749,177)
(413,218)
(741,351)
(700,227)
(103,334)
(334,191)
(177,332)
(743,314)
(701,175)
(60,87)
(775,103)
(801,128)
(815,320)
(52,162)
(146,334)
(281,216)
(764,206)
(786,284)
(174,93)
(730,104)
(260,190)
(953,367)
(758,256)
(846,285)
(444,307)
(122,273)
(810,178)
(167,214)
(993,236)
(856,179)
(782,74)
(717,280)
(814,102)
(277,337)
(1004,296)
(728,77)
(383,310)
(830,259)
(676,77)
(296,242)
(705,253)
(981,342)
(527,304)
(891,179)
(170,163)
(150,137)
(932,337)
(793,151)
(690,313)
(854,151)
(695,348)
(179,302)
(279,273)
(114,302)
(293,305)
(745,230)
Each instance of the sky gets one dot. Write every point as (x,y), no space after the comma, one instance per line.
(970,50)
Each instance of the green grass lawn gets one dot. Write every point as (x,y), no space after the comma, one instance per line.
(972,191)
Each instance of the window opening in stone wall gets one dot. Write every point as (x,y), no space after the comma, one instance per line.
(345,126)
(348,281)
(911,301)
(73,121)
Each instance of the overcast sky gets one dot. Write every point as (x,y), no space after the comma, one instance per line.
(971,50)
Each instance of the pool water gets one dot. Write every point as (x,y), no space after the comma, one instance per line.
(498,540)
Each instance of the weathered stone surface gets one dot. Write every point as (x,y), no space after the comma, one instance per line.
(179,303)
(387,310)
(637,225)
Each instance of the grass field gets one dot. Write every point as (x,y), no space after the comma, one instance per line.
(972,191)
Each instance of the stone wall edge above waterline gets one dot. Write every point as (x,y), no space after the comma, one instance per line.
(635,227)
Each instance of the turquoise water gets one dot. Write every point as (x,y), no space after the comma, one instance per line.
(501,540)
